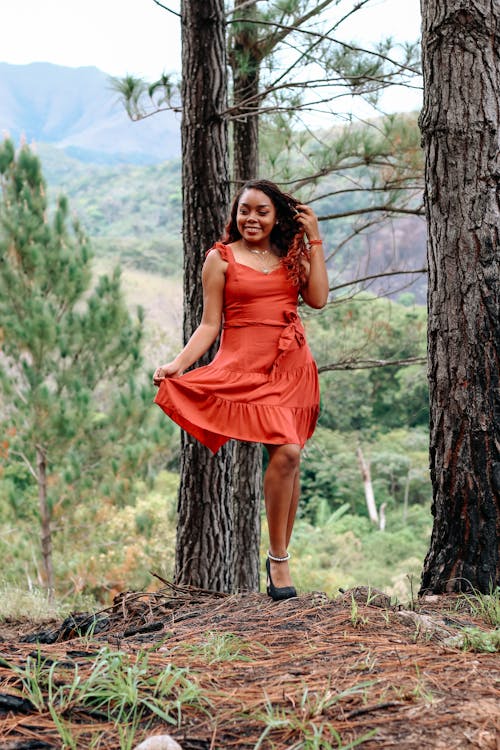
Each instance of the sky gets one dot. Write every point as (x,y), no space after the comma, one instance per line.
(141,38)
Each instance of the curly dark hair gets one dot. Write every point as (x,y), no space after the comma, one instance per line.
(287,236)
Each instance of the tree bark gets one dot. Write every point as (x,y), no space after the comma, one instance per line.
(247,457)
(205,521)
(245,59)
(460,125)
(45,525)
(247,493)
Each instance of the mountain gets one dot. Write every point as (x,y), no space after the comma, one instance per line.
(76,110)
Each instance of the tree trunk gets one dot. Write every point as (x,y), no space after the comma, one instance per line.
(205,524)
(406,499)
(368,486)
(46,538)
(460,124)
(247,492)
(247,457)
(205,527)
(383,520)
(245,64)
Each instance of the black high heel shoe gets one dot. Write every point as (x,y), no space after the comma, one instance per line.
(284,592)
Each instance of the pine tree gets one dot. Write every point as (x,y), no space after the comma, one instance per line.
(68,350)
(460,125)
(205,524)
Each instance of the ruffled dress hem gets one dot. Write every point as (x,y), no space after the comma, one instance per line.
(214,440)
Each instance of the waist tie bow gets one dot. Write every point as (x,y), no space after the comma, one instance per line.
(292,336)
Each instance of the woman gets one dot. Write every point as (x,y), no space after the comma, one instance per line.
(262,385)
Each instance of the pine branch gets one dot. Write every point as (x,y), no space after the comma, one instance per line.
(327,38)
(132,91)
(382,189)
(312,46)
(174,12)
(357,230)
(369,209)
(241,6)
(247,107)
(377,276)
(26,461)
(377,161)
(274,39)
(366,364)
(137,116)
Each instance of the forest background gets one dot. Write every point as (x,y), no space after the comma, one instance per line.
(112,529)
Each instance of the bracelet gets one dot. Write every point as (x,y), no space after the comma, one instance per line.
(315,242)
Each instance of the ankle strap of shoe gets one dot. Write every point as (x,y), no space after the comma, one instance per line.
(278,559)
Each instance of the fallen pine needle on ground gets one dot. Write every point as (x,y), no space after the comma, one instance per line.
(241,671)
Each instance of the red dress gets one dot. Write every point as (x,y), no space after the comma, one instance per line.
(262,385)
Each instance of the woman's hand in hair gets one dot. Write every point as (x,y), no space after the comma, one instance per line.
(308,220)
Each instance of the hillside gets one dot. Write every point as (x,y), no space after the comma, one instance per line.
(131,213)
(76,110)
(134,213)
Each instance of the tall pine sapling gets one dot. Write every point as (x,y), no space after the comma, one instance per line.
(68,351)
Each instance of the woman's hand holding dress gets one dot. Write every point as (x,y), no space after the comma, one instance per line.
(213,278)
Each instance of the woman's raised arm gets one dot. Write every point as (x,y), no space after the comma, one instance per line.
(315,290)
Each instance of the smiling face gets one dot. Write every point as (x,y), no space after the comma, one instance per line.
(255,217)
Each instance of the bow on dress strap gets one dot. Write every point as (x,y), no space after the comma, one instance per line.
(222,248)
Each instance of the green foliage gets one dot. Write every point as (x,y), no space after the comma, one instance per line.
(474,639)
(382,155)
(130,691)
(485,606)
(348,550)
(130,213)
(331,477)
(69,355)
(101,547)
(367,329)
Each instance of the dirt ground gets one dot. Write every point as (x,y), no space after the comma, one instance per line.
(308,673)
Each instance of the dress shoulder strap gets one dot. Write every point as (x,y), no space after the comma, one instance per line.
(225,251)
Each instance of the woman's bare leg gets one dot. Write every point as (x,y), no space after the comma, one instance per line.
(281,494)
(293,506)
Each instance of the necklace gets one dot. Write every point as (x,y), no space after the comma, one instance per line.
(261,255)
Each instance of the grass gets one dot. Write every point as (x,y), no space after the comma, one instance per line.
(126,691)
(474,639)
(132,693)
(356,618)
(485,606)
(299,721)
(219,647)
(34,605)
